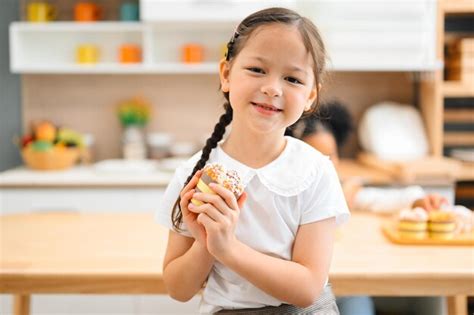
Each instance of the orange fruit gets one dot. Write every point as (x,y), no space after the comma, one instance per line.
(45,131)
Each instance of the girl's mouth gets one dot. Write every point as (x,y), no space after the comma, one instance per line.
(266,108)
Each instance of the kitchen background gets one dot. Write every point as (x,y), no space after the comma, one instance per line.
(185,105)
(381,55)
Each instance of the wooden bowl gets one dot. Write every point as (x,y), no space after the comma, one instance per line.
(56,158)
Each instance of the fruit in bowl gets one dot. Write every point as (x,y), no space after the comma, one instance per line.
(50,148)
(55,158)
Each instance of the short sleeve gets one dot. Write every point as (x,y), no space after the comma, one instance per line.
(163,213)
(325,198)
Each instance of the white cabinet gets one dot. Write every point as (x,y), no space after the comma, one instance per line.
(51,47)
(13,200)
(377,34)
(81,188)
(205,10)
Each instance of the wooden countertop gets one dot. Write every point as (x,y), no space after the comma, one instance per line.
(58,252)
(363,252)
(123,253)
(74,252)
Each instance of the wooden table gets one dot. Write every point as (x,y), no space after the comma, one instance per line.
(111,253)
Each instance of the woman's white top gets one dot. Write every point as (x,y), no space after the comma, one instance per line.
(387,200)
(299,187)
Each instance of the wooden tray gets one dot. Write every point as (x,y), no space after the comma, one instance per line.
(390,230)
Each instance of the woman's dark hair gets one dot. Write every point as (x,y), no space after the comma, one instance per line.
(313,44)
(332,116)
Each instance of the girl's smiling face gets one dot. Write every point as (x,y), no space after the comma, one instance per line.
(271,81)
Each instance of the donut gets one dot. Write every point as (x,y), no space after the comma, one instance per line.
(412,223)
(216,173)
(441,224)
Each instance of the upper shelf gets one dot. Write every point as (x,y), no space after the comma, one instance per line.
(117,68)
(50,47)
(75,27)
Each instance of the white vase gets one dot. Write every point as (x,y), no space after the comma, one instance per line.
(133,143)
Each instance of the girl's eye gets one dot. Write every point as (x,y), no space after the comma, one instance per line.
(255,69)
(293,80)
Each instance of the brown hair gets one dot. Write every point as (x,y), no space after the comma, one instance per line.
(314,45)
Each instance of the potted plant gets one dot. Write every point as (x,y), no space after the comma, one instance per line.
(134,115)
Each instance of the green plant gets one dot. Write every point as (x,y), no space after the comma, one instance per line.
(134,112)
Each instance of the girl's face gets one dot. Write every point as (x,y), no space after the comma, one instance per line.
(270,82)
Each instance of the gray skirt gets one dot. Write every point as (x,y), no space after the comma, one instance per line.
(324,305)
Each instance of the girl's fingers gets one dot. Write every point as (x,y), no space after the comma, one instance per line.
(242,199)
(211,212)
(226,194)
(205,220)
(185,201)
(192,183)
(186,193)
(215,200)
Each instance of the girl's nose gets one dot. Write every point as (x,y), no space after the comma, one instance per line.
(271,89)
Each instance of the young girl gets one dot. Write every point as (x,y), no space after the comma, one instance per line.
(270,250)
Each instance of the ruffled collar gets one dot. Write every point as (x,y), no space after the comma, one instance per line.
(289,174)
(293,171)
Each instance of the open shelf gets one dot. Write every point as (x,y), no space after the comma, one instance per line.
(117,68)
(458,138)
(467,172)
(456,134)
(459,116)
(62,26)
(458,6)
(359,45)
(457,89)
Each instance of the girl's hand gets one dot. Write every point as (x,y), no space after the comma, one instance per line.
(190,218)
(219,215)
(430,202)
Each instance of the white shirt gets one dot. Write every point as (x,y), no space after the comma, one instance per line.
(298,187)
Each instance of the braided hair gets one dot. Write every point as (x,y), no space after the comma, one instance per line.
(211,143)
(313,44)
